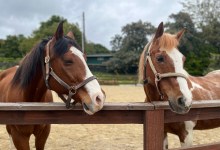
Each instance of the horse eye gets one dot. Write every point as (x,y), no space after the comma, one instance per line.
(68,62)
(160,58)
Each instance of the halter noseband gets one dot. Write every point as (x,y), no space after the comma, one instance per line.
(71,89)
(158,76)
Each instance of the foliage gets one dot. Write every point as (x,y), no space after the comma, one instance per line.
(92,48)
(195,45)
(128,47)
(10,47)
(202,11)
(214,63)
(47,29)
(18,46)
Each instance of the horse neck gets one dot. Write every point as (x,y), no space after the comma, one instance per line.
(36,90)
(151,93)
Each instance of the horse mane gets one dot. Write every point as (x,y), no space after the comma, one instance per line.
(141,65)
(166,42)
(35,58)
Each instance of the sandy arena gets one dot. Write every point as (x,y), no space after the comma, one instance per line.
(107,137)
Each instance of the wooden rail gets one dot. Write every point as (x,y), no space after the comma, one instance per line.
(151,115)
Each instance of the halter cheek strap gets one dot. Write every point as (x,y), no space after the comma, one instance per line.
(72,90)
(158,76)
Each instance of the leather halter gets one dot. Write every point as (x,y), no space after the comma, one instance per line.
(158,76)
(71,89)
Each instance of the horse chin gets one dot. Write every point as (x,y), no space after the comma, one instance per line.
(87,109)
(177,109)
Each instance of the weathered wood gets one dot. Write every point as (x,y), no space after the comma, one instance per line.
(213,146)
(71,117)
(151,115)
(61,106)
(153,130)
(195,104)
(193,114)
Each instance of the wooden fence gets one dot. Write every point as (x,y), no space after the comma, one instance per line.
(151,115)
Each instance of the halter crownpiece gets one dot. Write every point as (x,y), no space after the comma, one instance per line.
(158,76)
(72,90)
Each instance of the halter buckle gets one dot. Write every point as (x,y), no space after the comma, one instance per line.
(47,59)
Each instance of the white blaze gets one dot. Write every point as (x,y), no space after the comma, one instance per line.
(176,56)
(93,86)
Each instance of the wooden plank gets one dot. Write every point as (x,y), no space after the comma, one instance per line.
(153,130)
(195,104)
(61,106)
(71,117)
(213,146)
(193,114)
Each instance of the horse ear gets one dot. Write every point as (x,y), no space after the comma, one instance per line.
(59,32)
(71,35)
(159,32)
(180,34)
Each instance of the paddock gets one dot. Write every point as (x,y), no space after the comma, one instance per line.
(117,136)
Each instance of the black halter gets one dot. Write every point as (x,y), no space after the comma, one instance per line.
(72,90)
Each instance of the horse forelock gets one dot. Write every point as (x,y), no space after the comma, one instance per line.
(63,44)
(168,42)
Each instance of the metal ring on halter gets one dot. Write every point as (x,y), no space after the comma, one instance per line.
(158,77)
(51,69)
(73,90)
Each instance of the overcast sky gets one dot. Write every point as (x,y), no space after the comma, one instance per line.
(104,18)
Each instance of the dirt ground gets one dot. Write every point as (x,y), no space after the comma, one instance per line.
(107,137)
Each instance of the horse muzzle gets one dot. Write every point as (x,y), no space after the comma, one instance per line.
(96,103)
(180,106)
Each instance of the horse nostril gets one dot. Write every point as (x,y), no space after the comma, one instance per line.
(98,100)
(181,101)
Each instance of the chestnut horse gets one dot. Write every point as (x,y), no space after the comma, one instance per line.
(55,63)
(161,69)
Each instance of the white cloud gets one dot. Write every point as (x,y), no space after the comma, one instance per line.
(104,19)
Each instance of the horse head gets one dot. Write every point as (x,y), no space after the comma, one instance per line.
(67,73)
(161,68)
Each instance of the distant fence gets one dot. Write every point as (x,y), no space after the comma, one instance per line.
(151,115)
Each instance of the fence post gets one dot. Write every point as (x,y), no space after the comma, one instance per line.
(153,129)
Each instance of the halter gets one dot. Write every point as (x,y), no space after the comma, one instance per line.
(71,89)
(158,76)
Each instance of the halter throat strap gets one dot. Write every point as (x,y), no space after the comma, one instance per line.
(72,90)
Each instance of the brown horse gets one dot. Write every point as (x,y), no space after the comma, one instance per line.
(55,63)
(161,69)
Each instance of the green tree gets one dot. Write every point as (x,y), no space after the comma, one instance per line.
(10,47)
(47,29)
(116,42)
(194,44)
(205,15)
(214,63)
(179,21)
(211,34)
(202,11)
(92,48)
(128,47)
